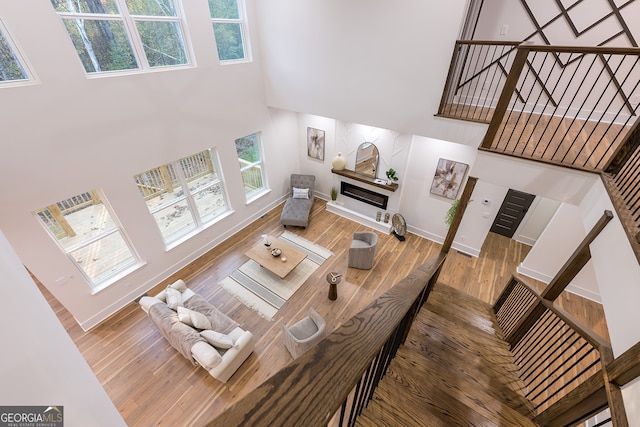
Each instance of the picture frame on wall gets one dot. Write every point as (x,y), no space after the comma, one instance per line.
(315,143)
(448,178)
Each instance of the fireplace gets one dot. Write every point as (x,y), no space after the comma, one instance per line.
(367,196)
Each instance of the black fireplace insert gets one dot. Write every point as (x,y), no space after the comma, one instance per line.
(367,196)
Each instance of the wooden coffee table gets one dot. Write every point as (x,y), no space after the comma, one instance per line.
(262,255)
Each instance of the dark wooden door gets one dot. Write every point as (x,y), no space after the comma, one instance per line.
(514,207)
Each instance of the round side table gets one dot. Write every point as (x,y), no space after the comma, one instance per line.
(333,278)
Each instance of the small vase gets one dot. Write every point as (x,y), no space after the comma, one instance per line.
(338,163)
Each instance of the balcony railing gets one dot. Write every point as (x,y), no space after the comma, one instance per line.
(569,106)
(476,78)
(560,104)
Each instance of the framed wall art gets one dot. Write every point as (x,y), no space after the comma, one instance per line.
(448,178)
(315,143)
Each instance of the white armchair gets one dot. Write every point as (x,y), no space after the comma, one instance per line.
(304,334)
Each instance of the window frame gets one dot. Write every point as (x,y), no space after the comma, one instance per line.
(20,58)
(129,21)
(119,271)
(188,197)
(255,194)
(244,33)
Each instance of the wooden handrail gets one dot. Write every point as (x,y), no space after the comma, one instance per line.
(600,389)
(576,261)
(626,367)
(593,338)
(583,49)
(310,390)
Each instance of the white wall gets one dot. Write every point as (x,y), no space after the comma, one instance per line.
(368,62)
(560,238)
(70,134)
(618,274)
(425,212)
(497,13)
(41,366)
(535,220)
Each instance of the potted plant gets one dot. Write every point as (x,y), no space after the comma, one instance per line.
(391,175)
(451,212)
(334,193)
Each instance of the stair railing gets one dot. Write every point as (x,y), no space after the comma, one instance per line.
(562,363)
(622,180)
(344,367)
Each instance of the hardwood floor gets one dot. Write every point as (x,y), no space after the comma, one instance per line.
(150,383)
(558,139)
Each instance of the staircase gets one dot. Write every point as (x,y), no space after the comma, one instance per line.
(454,370)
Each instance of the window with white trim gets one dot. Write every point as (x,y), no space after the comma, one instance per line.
(119,35)
(249,149)
(88,232)
(229,26)
(12,67)
(185,195)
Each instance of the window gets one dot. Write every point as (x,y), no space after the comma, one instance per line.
(11,68)
(229,29)
(183,196)
(251,165)
(116,35)
(89,234)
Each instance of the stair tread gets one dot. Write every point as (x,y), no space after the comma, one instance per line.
(453,370)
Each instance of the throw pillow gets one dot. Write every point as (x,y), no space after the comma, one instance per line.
(206,355)
(193,318)
(217,339)
(179,285)
(300,193)
(174,298)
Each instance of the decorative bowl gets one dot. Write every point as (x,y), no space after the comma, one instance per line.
(276,252)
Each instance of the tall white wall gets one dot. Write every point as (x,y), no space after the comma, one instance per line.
(369,62)
(41,366)
(535,220)
(70,134)
(618,274)
(498,13)
(551,252)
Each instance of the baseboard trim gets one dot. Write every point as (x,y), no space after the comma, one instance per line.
(338,209)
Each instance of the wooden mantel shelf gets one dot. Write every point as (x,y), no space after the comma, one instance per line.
(363,178)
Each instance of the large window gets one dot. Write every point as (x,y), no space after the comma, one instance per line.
(250,156)
(89,234)
(183,196)
(116,35)
(11,68)
(229,28)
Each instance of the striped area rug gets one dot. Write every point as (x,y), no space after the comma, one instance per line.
(263,291)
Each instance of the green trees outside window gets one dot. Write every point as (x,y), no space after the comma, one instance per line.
(10,67)
(102,33)
(228,26)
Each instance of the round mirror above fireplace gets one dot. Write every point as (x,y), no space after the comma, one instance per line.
(367,159)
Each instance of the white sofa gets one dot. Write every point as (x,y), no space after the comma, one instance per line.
(221,352)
